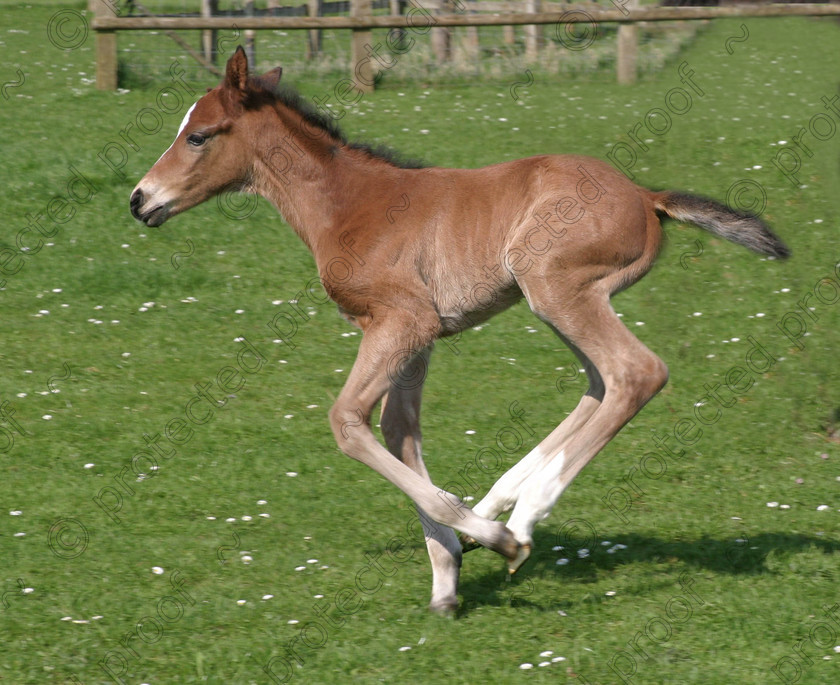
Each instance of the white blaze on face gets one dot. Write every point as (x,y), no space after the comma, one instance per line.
(183,125)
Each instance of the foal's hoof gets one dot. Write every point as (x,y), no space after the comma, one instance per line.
(468,543)
(523,551)
(445,608)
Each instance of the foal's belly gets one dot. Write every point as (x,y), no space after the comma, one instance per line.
(476,306)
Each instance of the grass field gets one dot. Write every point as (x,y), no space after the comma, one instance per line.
(256,543)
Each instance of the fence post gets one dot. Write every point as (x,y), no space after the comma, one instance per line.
(250,35)
(509,34)
(533,32)
(208,37)
(628,48)
(473,43)
(363,71)
(106,48)
(313,45)
(397,34)
(441,35)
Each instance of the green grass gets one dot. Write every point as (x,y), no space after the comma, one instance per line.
(759,597)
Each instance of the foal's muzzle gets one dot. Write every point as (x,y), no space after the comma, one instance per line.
(151,217)
(136,202)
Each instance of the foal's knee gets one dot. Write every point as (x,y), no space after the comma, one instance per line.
(348,426)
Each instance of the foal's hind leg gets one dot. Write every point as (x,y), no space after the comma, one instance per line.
(401,430)
(632,375)
(505,491)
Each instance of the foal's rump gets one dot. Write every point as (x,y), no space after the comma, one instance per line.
(587,216)
(586,223)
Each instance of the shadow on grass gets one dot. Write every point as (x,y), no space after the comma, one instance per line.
(743,557)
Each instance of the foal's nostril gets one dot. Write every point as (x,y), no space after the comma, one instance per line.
(136,202)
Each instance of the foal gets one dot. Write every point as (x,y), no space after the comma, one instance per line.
(565,232)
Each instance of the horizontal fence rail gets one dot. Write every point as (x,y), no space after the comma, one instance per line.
(575,14)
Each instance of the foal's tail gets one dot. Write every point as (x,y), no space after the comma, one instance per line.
(739,227)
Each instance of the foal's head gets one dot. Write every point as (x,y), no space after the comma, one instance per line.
(210,152)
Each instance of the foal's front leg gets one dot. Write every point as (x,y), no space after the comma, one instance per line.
(401,429)
(390,340)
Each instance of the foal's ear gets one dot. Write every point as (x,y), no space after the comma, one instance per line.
(270,79)
(236,73)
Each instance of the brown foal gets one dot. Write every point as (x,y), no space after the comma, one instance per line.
(565,232)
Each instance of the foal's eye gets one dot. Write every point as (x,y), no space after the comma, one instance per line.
(196,139)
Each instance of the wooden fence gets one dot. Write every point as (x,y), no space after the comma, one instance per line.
(438,15)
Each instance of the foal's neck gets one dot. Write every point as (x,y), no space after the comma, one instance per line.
(311,177)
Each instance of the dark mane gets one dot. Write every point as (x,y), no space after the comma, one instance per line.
(388,154)
(291,98)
